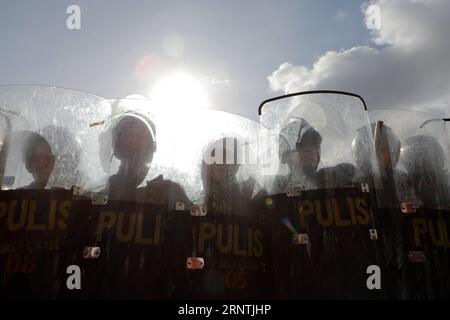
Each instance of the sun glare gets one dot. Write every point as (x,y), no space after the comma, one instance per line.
(178,99)
(179,91)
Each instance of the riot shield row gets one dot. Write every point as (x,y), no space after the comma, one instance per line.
(116,198)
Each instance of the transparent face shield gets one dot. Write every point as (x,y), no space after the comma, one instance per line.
(316,137)
(420,161)
(215,152)
(47,125)
(120,134)
(128,155)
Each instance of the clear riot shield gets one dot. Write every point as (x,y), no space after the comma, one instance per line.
(447,139)
(325,231)
(5,133)
(125,231)
(41,130)
(49,125)
(219,159)
(418,215)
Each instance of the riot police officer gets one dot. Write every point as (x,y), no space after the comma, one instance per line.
(394,185)
(38,158)
(424,160)
(300,149)
(220,165)
(133,138)
(66,149)
(133,144)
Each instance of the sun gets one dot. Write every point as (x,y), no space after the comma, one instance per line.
(181,104)
(179,91)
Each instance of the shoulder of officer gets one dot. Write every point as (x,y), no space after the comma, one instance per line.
(166,187)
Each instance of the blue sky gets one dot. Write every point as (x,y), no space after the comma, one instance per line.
(239,41)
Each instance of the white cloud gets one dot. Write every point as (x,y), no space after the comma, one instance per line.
(407,65)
